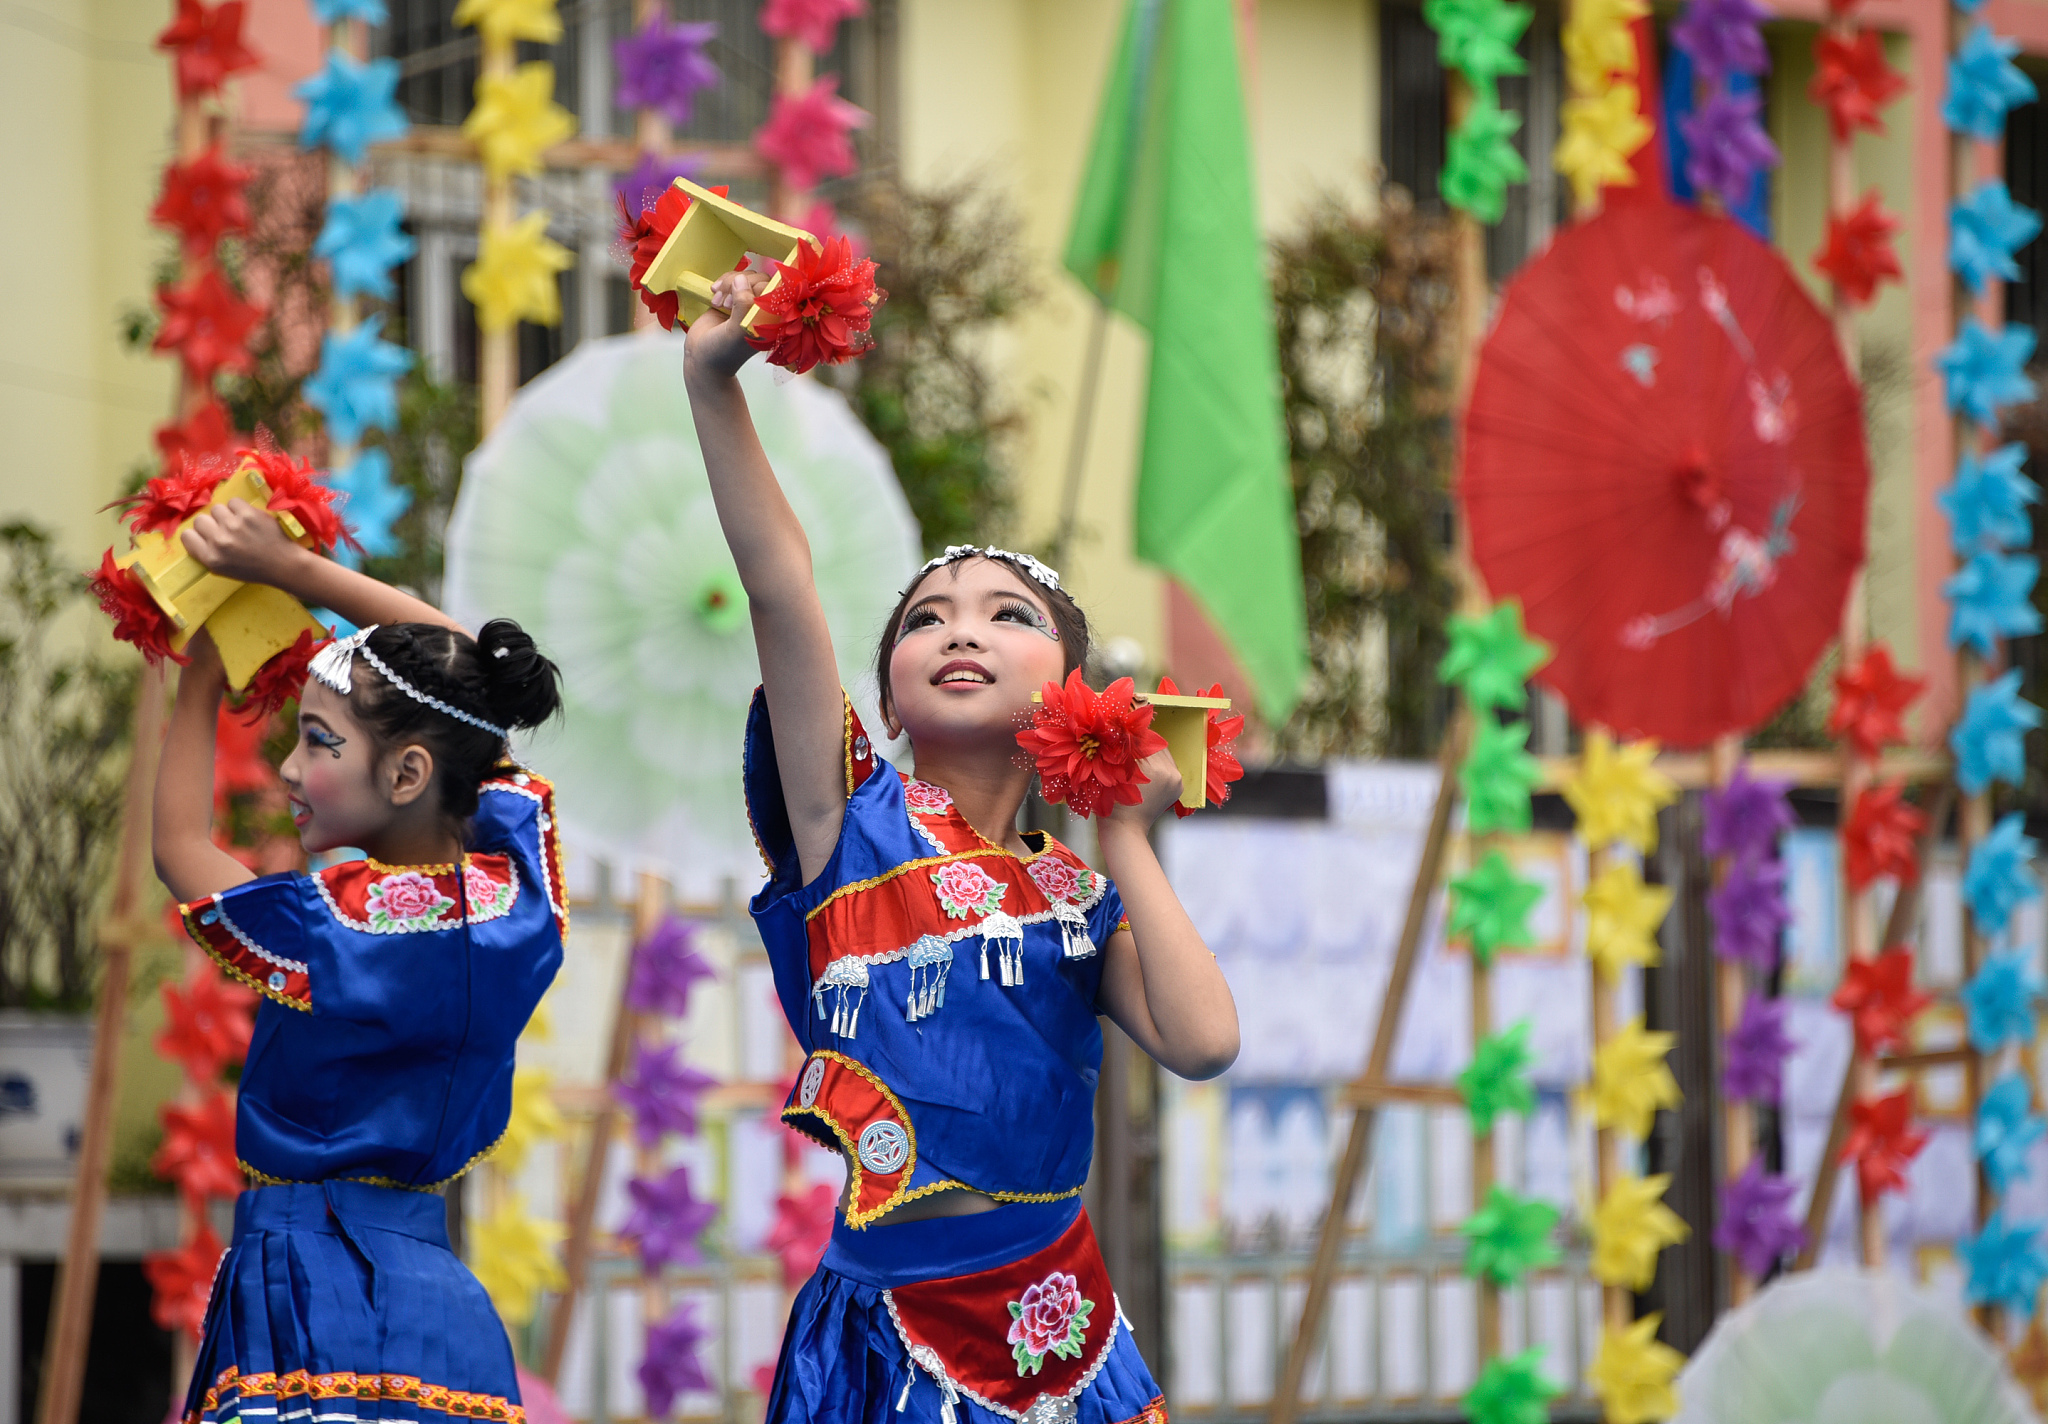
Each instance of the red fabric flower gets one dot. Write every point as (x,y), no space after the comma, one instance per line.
(1224,766)
(1868,700)
(1881,1143)
(1878,996)
(279,681)
(811,22)
(295,489)
(641,236)
(137,618)
(1853,82)
(806,134)
(207,1024)
(1879,839)
(183,1281)
(820,310)
(207,44)
(198,1153)
(207,324)
(1087,745)
(239,766)
(803,1225)
(202,433)
(1858,252)
(202,199)
(167,501)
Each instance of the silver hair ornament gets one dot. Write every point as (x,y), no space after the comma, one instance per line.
(956,552)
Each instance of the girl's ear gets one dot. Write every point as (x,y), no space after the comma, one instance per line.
(411,772)
(890,725)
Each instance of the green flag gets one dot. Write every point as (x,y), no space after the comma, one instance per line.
(1166,231)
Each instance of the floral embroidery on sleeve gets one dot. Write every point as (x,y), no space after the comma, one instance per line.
(1052,1318)
(925,799)
(1063,882)
(407,901)
(965,889)
(487,897)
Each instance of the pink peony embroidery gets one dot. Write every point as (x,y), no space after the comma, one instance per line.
(1051,1319)
(966,889)
(486,896)
(925,799)
(1061,881)
(406,900)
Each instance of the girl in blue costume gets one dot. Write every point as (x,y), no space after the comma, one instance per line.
(943,973)
(394,987)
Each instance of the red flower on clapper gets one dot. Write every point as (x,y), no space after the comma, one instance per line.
(1086,745)
(1223,766)
(818,313)
(137,617)
(641,237)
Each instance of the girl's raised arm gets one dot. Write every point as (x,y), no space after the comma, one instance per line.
(239,541)
(190,865)
(798,670)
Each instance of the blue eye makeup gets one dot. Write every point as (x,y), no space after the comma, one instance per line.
(321,737)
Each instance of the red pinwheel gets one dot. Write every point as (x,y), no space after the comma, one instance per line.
(167,501)
(201,199)
(207,324)
(239,766)
(183,1281)
(207,1024)
(1223,767)
(198,1153)
(1858,251)
(137,617)
(203,433)
(1879,838)
(207,44)
(803,1224)
(1853,82)
(641,236)
(1087,745)
(1879,998)
(819,309)
(295,489)
(1664,459)
(1868,700)
(280,680)
(1881,1143)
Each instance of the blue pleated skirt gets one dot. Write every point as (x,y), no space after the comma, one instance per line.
(844,1362)
(342,1301)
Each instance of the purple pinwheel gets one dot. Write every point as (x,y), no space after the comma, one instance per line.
(1723,37)
(1757,1226)
(652,176)
(1753,1054)
(672,1365)
(1745,817)
(661,1092)
(662,66)
(1726,145)
(1749,912)
(666,1219)
(665,965)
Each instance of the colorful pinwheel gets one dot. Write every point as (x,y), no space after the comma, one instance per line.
(1984,370)
(2006,1130)
(1490,907)
(1983,83)
(362,241)
(662,66)
(1999,1001)
(355,386)
(1989,739)
(1746,817)
(1754,1052)
(667,1218)
(807,134)
(1986,227)
(349,105)
(1509,1236)
(1755,1223)
(1497,1079)
(1986,503)
(1999,877)
(1992,597)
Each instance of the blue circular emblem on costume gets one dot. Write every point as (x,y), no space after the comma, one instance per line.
(277,980)
(884,1148)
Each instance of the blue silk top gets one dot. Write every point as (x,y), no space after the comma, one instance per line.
(383,1047)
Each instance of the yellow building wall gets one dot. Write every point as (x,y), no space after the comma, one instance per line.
(1007,90)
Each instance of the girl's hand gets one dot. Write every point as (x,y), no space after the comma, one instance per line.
(239,541)
(717,343)
(1158,793)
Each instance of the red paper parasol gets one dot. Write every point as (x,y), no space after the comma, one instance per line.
(1664,460)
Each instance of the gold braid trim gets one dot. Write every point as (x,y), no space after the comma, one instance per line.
(264,1179)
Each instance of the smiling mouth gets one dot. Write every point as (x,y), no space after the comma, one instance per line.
(301,812)
(973,674)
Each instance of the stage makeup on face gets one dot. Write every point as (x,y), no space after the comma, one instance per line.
(321,737)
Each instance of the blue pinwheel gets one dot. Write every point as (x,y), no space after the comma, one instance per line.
(371,503)
(362,241)
(1983,83)
(355,387)
(1982,370)
(1998,880)
(2000,1001)
(349,105)
(1992,597)
(2007,1264)
(333,12)
(1985,229)
(2007,1129)
(1989,739)
(1987,503)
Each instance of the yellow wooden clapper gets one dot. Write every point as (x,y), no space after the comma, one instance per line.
(251,623)
(1184,722)
(713,235)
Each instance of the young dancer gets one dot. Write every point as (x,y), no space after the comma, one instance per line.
(394,988)
(943,973)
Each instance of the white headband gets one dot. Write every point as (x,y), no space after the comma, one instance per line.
(956,552)
(332,667)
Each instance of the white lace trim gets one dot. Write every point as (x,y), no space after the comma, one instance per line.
(476,917)
(891,956)
(276,961)
(945,1379)
(546,827)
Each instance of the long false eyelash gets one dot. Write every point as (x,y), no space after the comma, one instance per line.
(914,621)
(1032,617)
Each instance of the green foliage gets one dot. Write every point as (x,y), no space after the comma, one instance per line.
(953,266)
(64,728)
(1365,311)
(437,428)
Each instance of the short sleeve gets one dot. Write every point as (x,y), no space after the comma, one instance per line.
(767,812)
(256,932)
(515,816)
(1107,917)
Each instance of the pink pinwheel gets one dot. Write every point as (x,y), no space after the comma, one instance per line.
(802,1227)
(806,134)
(661,1092)
(809,22)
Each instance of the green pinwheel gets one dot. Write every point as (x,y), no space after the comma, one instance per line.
(587,516)
(1490,907)
(1478,37)
(1498,1079)
(1509,1237)
(1498,776)
(1479,162)
(1512,1389)
(1491,658)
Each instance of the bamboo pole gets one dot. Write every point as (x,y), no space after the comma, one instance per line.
(1731,988)
(497,351)
(124,927)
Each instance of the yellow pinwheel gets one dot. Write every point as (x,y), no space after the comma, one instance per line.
(1631,1081)
(516,119)
(1632,1374)
(513,1255)
(1601,132)
(535,1118)
(1630,1226)
(1622,916)
(500,22)
(1615,792)
(1598,43)
(513,277)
